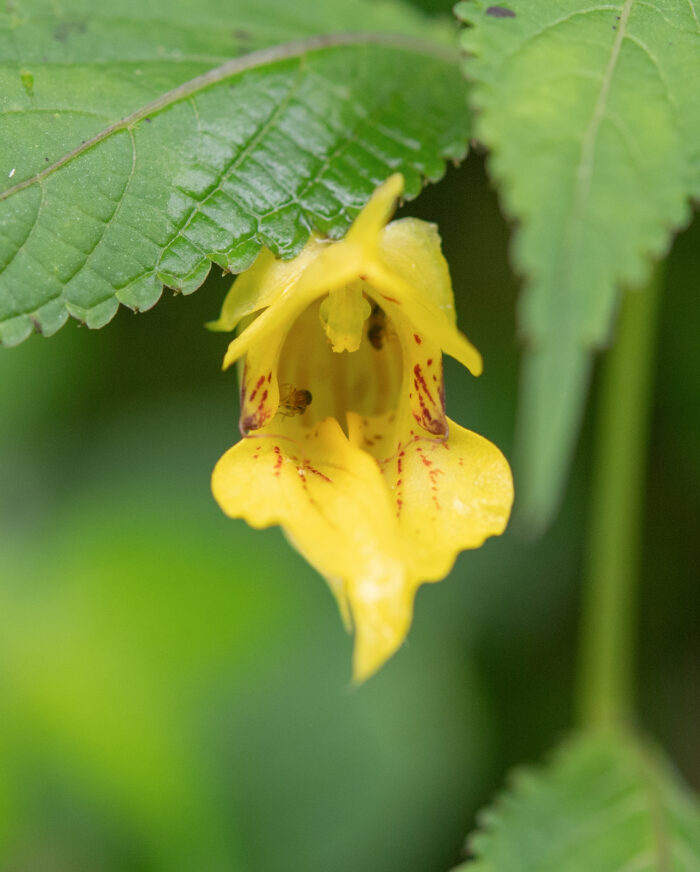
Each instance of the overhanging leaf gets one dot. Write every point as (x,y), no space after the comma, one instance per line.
(606,803)
(141,142)
(592,116)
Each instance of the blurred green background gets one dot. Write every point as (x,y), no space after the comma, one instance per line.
(174,688)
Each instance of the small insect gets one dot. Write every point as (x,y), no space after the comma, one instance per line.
(293,401)
(376,330)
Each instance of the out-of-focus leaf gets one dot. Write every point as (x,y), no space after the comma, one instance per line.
(592,116)
(606,803)
(140,142)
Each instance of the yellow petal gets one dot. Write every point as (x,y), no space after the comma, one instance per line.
(259,388)
(453,494)
(267,280)
(414,272)
(376,213)
(272,324)
(422,409)
(356,256)
(332,501)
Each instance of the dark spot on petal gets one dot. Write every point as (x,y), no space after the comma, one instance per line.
(436,426)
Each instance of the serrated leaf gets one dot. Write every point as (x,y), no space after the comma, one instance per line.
(592,116)
(140,142)
(605,804)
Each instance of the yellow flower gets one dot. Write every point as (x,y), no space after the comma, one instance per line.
(346,443)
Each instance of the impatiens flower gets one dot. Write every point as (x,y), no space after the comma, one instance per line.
(345,439)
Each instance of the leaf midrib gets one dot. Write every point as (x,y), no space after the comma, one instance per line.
(585,167)
(259,58)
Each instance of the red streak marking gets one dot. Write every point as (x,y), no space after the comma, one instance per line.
(426,419)
(317,472)
(417,338)
(278,460)
(419,375)
(257,387)
(430,361)
(243,384)
(433,479)
(425,461)
(269,377)
(399,467)
(362,278)
(391,299)
(263,397)
(461,461)
(302,479)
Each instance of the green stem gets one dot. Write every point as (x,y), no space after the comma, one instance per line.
(608,635)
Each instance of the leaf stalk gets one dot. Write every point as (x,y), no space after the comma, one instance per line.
(608,635)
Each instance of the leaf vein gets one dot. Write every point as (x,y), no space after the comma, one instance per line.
(28,236)
(257,136)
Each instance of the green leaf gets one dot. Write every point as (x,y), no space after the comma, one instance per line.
(139,142)
(592,116)
(605,804)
